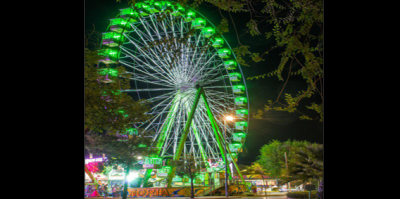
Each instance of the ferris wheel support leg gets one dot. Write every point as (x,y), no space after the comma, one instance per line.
(146,178)
(91,176)
(203,154)
(161,140)
(216,129)
(167,125)
(185,134)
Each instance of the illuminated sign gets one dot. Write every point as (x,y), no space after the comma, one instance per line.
(165,192)
(93,160)
(149,166)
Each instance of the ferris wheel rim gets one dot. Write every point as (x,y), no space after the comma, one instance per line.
(226,72)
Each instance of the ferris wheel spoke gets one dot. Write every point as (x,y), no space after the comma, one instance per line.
(205,120)
(146,71)
(152,89)
(157,57)
(158,116)
(147,55)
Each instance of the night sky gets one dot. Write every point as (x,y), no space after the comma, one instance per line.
(274,125)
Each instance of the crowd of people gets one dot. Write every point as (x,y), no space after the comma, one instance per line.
(116,190)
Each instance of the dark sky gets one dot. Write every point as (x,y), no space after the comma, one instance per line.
(275,125)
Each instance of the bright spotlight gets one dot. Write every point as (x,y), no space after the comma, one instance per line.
(229,118)
(132,176)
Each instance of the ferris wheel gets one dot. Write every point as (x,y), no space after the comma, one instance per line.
(190,77)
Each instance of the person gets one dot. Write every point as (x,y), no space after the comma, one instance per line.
(86,190)
(117,190)
(89,190)
(100,188)
(113,191)
(105,190)
(254,189)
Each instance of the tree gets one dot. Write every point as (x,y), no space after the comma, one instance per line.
(107,107)
(272,156)
(188,167)
(307,163)
(257,168)
(120,151)
(297,32)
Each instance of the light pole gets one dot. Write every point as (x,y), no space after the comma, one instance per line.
(229,118)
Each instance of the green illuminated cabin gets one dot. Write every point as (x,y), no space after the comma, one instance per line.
(241,101)
(152,163)
(129,14)
(230,64)
(112,39)
(119,24)
(239,136)
(235,147)
(238,89)
(241,125)
(235,77)
(190,16)
(208,32)
(224,53)
(242,113)
(199,23)
(217,42)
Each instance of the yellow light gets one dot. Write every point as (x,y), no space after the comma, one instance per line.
(229,118)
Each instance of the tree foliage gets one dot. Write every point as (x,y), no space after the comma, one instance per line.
(297,32)
(187,167)
(107,107)
(272,157)
(307,163)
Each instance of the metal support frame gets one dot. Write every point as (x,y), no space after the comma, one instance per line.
(185,134)
(163,135)
(218,135)
(94,181)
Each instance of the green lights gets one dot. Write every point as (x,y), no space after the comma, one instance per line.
(149,160)
(230,65)
(235,77)
(190,15)
(239,137)
(198,23)
(178,10)
(118,21)
(122,112)
(162,5)
(238,89)
(208,32)
(112,39)
(163,172)
(109,52)
(241,125)
(235,147)
(224,53)
(119,24)
(242,113)
(240,101)
(129,14)
(217,42)
(132,131)
(108,71)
